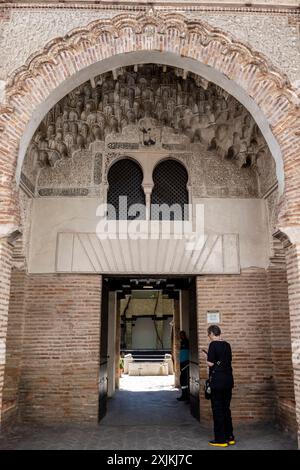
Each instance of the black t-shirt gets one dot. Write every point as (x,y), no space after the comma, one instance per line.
(219,352)
(184,343)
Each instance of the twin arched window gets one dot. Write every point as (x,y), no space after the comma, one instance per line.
(169,197)
(125,189)
(170,179)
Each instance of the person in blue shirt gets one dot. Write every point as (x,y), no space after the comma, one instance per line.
(184,359)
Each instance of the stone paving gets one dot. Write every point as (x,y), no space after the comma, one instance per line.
(143,414)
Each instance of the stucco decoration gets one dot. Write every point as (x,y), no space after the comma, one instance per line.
(174,33)
(273,33)
(149,107)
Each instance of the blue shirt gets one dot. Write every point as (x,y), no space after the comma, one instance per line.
(184,355)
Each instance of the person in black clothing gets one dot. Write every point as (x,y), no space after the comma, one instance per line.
(219,359)
(184,359)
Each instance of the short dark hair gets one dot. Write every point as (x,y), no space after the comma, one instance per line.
(214,329)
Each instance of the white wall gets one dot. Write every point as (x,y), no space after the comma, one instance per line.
(246,217)
(143,334)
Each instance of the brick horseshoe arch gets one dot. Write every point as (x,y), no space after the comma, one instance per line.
(62,59)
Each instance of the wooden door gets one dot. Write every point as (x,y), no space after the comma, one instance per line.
(103,351)
(194,357)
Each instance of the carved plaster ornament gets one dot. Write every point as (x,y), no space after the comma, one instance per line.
(145,100)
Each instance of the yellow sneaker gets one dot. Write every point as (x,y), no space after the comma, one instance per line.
(218,444)
(231,441)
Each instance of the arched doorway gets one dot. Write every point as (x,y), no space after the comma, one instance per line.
(281,120)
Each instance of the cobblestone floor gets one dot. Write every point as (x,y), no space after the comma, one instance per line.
(144,414)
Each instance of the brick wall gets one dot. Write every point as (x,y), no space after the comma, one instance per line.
(5,270)
(245,308)
(59,378)
(60,367)
(14,347)
(293,270)
(281,348)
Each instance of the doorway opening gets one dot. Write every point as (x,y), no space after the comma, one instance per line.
(141,317)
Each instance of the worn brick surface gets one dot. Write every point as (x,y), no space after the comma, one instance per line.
(5,271)
(293,269)
(60,362)
(244,302)
(14,347)
(60,346)
(281,352)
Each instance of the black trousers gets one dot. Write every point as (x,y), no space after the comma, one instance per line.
(184,375)
(220,404)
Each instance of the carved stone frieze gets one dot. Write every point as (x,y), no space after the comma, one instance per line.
(75,172)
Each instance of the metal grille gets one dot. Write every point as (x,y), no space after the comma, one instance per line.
(170,180)
(125,179)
